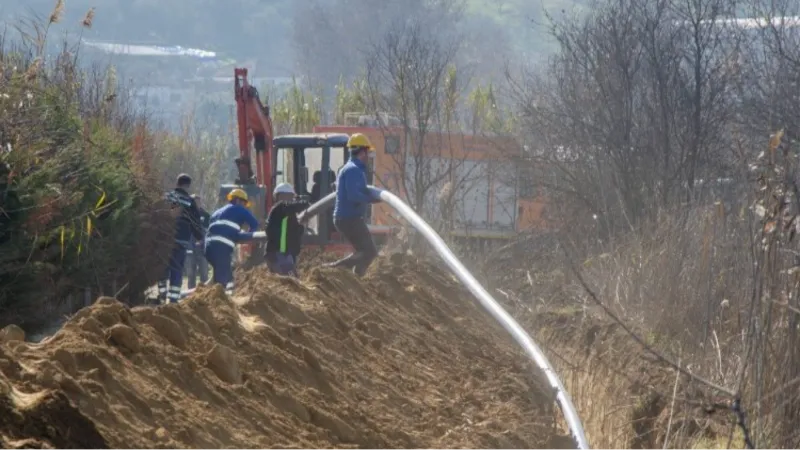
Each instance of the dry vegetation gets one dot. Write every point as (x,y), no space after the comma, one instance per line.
(664,330)
(81,176)
(651,132)
(665,300)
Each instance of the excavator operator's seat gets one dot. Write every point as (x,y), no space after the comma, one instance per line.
(316,188)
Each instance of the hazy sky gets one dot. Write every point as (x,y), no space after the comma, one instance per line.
(268,30)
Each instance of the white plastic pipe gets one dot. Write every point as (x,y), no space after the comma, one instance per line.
(486,300)
(497,311)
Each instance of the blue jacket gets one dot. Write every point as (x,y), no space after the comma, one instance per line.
(225,225)
(189,223)
(352,195)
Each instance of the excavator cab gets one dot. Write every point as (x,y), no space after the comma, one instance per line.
(305,161)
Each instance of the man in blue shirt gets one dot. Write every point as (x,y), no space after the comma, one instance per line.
(352,198)
(188,225)
(224,232)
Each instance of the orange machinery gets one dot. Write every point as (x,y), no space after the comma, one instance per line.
(254,169)
(278,159)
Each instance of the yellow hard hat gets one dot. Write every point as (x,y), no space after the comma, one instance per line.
(240,194)
(358,140)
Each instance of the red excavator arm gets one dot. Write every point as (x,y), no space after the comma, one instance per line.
(253,119)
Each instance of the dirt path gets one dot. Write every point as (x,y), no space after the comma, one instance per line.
(402,359)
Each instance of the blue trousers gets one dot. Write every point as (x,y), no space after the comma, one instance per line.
(202,264)
(282,263)
(197,265)
(174,275)
(220,257)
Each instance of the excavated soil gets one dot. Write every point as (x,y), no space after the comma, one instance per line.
(404,358)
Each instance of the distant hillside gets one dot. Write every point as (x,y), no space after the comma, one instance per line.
(264,29)
(238,28)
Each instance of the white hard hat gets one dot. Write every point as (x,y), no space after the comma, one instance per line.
(283,188)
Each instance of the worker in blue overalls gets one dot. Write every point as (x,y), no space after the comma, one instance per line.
(224,232)
(188,225)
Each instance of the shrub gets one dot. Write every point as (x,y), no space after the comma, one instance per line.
(79,198)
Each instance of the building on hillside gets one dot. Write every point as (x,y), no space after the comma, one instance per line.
(170,82)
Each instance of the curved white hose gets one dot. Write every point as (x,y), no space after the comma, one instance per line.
(497,311)
(486,300)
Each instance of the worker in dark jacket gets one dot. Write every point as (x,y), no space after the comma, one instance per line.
(352,198)
(187,226)
(224,232)
(284,231)
(198,247)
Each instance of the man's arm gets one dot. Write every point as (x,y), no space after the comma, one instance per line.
(241,237)
(198,230)
(355,185)
(374,198)
(296,206)
(250,219)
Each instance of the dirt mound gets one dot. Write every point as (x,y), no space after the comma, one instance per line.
(402,359)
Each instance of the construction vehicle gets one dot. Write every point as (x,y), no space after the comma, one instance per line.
(272,160)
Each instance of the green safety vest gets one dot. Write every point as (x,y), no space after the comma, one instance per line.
(284,229)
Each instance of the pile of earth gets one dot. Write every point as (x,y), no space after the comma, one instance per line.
(402,358)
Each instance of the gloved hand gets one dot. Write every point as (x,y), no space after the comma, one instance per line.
(245,236)
(376,198)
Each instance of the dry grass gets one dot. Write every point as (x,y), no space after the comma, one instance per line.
(686,281)
(713,289)
(686,287)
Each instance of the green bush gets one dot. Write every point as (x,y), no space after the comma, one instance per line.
(79,196)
